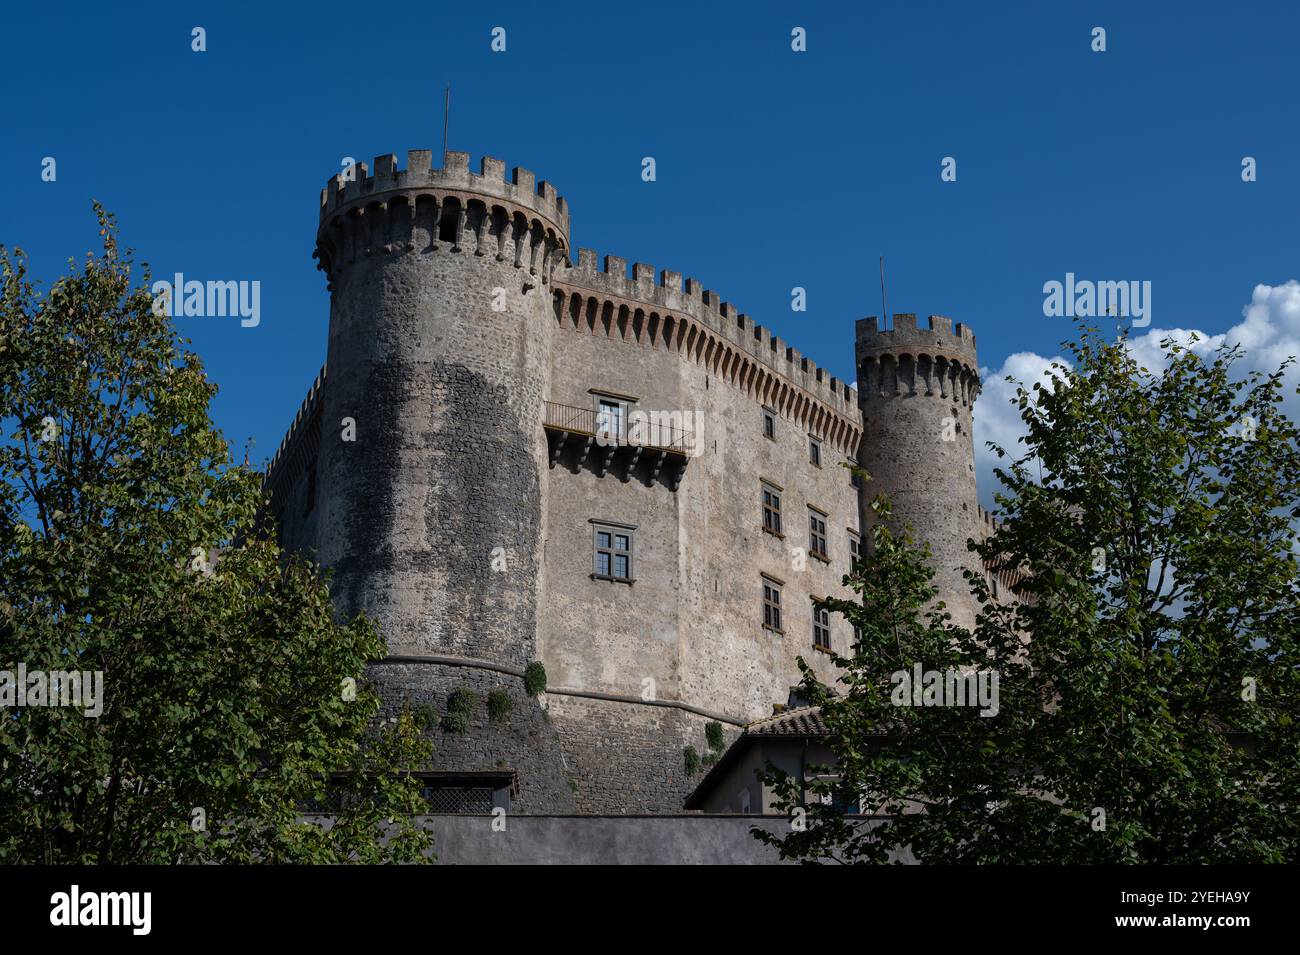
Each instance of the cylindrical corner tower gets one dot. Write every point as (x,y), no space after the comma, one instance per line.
(917,387)
(432,451)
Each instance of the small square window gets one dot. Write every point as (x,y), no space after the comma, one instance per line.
(612,553)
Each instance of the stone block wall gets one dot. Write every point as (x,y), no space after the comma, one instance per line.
(456,314)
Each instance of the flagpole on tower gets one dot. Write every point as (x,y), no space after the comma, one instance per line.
(884,309)
(446,116)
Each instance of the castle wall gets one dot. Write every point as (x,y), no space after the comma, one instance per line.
(682,839)
(460,519)
(297,515)
(625,757)
(692,621)
(526,740)
(439,351)
(690,628)
(918,387)
(292,477)
(446,394)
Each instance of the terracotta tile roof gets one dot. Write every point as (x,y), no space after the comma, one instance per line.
(804,721)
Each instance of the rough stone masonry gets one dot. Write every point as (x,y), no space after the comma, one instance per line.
(490,509)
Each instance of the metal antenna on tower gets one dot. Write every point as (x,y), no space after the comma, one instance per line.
(446,116)
(884,309)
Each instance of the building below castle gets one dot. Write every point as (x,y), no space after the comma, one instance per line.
(518,455)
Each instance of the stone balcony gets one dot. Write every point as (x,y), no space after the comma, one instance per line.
(600,442)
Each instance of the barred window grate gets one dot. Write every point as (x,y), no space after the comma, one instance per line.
(475,793)
(458,800)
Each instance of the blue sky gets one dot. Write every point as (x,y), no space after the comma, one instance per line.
(774,169)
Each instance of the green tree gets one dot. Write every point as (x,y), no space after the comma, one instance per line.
(1147,670)
(131,543)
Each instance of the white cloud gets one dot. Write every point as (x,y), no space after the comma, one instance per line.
(1269,333)
(997,419)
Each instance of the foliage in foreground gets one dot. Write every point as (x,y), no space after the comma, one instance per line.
(131,544)
(1147,677)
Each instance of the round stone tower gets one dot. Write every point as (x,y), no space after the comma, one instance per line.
(917,388)
(432,452)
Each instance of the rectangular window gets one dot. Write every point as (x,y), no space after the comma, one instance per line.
(855,551)
(814,451)
(769,424)
(772,509)
(610,419)
(772,604)
(817,534)
(821,627)
(612,552)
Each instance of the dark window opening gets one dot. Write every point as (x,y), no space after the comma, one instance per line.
(447,225)
(612,553)
(821,627)
(772,605)
(817,533)
(771,510)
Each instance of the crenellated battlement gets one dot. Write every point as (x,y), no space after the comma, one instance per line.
(663,292)
(305,411)
(299,444)
(522,189)
(421,210)
(939,334)
(989,523)
(908,360)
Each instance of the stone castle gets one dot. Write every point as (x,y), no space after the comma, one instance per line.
(514,454)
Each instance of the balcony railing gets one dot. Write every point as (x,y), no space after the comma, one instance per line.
(650,433)
(602,436)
